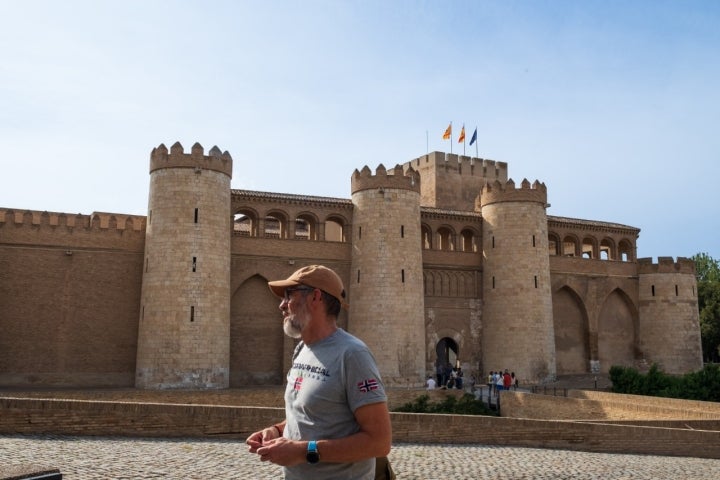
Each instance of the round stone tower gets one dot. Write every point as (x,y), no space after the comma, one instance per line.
(184,329)
(517,316)
(669,318)
(386,281)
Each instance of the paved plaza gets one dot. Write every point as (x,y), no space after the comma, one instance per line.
(143,458)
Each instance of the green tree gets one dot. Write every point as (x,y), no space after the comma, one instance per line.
(707,270)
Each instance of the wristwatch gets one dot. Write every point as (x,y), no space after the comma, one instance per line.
(312,456)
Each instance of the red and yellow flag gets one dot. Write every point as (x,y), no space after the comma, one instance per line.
(461,138)
(448,132)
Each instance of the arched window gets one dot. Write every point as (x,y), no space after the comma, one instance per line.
(569,246)
(305,227)
(553,244)
(275,226)
(625,251)
(445,238)
(468,240)
(588,249)
(427,241)
(335,229)
(607,249)
(245,224)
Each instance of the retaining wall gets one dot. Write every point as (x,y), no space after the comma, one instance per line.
(148,419)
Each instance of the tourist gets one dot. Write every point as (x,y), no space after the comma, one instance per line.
(336,413)
(499,383)
(430,383)
(507,381)
(473,383)
(447,375)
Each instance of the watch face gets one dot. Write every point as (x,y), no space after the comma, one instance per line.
(312,457)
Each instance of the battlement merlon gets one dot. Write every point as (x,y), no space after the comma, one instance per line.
(384,179)
(215,159)
(95,221)
(666,265)
(461,164)
(497,192)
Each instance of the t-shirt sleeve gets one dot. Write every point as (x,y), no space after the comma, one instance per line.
(363,383)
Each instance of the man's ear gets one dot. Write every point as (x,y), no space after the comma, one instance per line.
(316,295)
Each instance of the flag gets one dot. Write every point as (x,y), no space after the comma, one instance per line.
(298,383)
(448,132)
(368,385)
(461,138)
(474,137)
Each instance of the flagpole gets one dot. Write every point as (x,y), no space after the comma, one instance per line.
(463,130)
(427,142)
(450,138)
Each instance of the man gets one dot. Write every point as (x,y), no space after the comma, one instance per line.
(336,414)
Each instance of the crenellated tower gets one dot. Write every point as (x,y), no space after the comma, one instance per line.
(452,181)
(184,328)
(669,323)
(386,280)
(518,329)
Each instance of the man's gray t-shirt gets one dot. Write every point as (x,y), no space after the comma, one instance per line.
(327,382)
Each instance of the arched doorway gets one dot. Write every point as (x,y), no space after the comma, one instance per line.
(447,355)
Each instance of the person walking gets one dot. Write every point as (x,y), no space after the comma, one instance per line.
(499,383)
(507,380)
(336,414)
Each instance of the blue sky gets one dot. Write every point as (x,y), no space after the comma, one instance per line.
(614,105)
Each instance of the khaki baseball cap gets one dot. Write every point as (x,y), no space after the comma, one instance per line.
(316,276)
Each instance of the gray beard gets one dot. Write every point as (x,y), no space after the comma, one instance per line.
(292,328)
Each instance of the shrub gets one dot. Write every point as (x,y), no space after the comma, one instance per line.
(465,405)
(701,385)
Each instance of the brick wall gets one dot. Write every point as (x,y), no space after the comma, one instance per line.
(75,323)
(100,417)
(602,406)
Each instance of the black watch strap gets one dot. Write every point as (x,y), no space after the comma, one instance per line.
(312,456)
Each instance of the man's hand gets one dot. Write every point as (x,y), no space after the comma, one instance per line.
(282,451)
(260,438)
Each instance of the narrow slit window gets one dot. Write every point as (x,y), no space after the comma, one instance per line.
(147,262)
(493,282)
(359,232)
(533,240)
(402,231)
(192,313)
(196,215)
(676,290)
(493,242)
(653,290)
(358,276)
(194,264)
(536,281)
(402,275)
